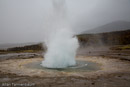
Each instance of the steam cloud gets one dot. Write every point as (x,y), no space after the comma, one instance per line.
(62,44)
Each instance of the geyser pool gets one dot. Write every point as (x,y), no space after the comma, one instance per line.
(63,44)
(81,66)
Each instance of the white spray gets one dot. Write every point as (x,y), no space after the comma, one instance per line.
(63,44)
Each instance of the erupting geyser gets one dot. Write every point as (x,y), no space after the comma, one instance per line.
(63,44)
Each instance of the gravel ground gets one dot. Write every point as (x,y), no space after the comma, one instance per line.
(115,73)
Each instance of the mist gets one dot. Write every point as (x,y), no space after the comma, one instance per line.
(23,21)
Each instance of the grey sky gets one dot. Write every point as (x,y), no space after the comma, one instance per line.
(23,21)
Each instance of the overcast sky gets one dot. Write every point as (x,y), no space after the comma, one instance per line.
(23,21)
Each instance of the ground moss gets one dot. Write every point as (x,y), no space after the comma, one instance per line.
(121,47)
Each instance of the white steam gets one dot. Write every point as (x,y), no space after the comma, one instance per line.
(62,44)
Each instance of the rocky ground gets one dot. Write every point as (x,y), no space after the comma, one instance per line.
(105,52)
(113,78)
(108,80)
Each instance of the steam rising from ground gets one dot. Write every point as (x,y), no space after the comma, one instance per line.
(62,45)
(61,51)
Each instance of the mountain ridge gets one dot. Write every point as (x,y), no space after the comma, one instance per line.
(109,27)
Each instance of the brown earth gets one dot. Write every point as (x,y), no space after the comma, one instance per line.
(115,74)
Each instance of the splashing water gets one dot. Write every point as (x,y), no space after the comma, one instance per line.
(63,45)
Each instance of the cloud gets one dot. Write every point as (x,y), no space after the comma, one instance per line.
(24,20)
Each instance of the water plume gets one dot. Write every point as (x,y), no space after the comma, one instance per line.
(63,44)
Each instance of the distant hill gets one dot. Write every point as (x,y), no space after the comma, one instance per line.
(109,38)
(24,49)
(9,45)
(113,26)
